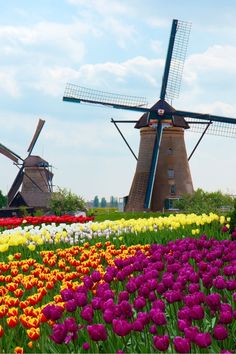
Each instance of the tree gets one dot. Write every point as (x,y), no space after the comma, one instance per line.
(3,200)
(204,202)
(96,202)
(103,203)
(113,202)
(64,201)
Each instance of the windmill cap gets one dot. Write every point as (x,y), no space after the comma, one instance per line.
(161,107)
(35,161)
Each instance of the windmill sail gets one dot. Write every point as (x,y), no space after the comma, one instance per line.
(16,185)
(10,154)
(36,135)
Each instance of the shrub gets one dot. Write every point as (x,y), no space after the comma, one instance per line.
(64,201)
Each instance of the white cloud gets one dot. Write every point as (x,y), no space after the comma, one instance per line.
(103,7)
(8,81)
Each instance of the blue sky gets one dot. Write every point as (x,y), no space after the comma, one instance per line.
(116,46)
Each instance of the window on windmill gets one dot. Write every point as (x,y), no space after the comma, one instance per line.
(172,189)
(169,151)
(171,173)
(43,164)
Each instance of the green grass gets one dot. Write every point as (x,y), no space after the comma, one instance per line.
(116,215)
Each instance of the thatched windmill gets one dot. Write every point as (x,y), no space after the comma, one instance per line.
(34,177)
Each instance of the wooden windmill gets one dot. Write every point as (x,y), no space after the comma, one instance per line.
(162,172)
(34,176)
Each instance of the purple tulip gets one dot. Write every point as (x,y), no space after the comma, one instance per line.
(97,332)
(226,317)
(70,324)
(67,294)
(87,313)
(219,282)
(81,299)
(59,333)
(108,315)
(173,296)
(213,301)
(86,346)
(220,332)
(96,303)
(161,343)
(138,325)
(197,312)
(193,288)
(158,317)
(52,312)
(121,327)
(182,324)
(88,282)
(96,276)
(144,317)
(125,308)
(71,305)
(139,303)
(191,332)
(123,295)
(182,345)
(153,329)
(203,340)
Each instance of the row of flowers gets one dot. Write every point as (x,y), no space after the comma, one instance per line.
(32,235)
(13,222)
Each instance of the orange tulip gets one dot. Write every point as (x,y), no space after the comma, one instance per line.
(13,311)
(19,350)
(12,321)
(33,333)
(1,331)
(3,310)
(18,292)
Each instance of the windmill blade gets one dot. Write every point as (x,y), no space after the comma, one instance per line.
(227,130)
(152,174)
(16,185)
(36,135)
(10,154)
(175,58)
(79,94)
(206,117)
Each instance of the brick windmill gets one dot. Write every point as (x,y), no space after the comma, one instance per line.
(162,172)
(34,177)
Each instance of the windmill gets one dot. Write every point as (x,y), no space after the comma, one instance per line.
(34,176)
(162,172)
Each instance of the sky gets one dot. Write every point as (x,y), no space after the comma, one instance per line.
(115,46)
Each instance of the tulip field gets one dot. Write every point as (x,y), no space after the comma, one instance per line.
(160,284)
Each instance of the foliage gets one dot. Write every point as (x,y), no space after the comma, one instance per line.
(24,210)
(96,202)
(38,212)
(204,202)
(64,201)
(3,200)
(233,218)
(113,202)
(103,203)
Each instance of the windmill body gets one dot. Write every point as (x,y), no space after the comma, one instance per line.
(162,172)
(32,186)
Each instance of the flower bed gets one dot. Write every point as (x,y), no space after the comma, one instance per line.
(147,286)
(167,227)
(10,223)
(179,297)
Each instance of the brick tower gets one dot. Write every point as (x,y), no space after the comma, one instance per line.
(173,177)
